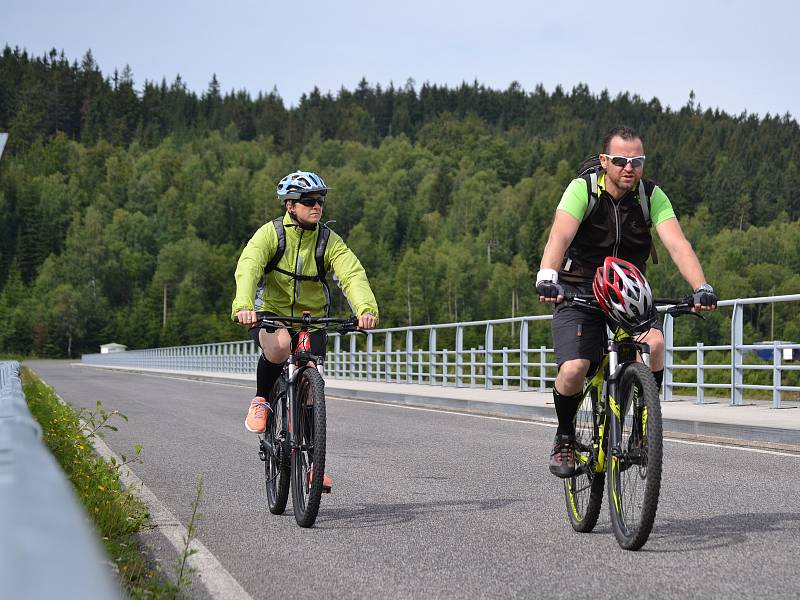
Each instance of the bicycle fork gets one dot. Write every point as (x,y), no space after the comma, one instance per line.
(616,411)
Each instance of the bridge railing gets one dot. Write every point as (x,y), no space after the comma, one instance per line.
(44,528)
(438,355)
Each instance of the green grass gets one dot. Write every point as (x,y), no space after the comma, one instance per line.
(117,514)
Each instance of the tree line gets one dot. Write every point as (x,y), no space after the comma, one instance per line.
(124,209)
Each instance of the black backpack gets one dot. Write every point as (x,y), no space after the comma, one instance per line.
(589,171)
(319,254)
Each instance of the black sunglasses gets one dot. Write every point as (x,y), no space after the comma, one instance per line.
(622,161)
(311,201)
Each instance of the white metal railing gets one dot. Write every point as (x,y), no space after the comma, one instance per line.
(416,355)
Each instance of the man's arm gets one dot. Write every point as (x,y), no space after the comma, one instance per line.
(681,252)
(564,228)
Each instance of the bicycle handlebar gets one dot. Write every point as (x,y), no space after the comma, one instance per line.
(678,306)
(265,316)
(348,325)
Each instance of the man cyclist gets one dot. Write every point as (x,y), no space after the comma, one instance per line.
(577,246)
(294,284)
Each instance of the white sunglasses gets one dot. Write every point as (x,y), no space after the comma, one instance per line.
(622,161)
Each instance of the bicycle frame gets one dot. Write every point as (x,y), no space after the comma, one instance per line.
(607,398)
(292,373)
(293,446)
(622,385)
(295,364)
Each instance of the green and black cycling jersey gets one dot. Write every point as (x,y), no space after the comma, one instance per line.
(614,228)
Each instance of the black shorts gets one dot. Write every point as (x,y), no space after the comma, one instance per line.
(319,339)
(579,333)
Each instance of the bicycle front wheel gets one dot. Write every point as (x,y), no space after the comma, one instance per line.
(308,457)
(276,465)
(635,471)
(583,491)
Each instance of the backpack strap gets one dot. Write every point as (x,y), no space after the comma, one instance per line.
(593,189)
(281,233)
(319,255)
(319,252)
(644,203)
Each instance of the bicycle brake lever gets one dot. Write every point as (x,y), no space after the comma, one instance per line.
(684,311)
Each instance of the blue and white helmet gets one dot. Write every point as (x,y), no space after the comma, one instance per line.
(298,183)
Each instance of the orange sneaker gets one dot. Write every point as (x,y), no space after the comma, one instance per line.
(327,482)
(256,420)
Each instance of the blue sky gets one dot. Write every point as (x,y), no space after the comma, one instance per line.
(734,54)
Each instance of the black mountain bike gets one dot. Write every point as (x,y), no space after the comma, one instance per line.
(293,446)
(618,430)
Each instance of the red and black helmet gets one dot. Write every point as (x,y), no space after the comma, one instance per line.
(624,295)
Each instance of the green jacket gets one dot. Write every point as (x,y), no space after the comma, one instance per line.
(282,294)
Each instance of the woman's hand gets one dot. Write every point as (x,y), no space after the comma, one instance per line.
(367,321)
(246,317)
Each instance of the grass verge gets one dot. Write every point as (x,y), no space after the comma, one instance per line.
(117,514)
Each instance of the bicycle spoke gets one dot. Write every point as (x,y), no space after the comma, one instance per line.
(583,492)
(276,465)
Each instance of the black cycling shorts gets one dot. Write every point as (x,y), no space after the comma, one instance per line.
(579,333)
(319,339)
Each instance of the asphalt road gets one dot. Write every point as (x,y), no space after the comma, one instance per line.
(440,505)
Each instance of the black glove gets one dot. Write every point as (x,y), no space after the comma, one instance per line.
(548,289)
(705,296)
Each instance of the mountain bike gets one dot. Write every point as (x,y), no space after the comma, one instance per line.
(293,445)
(618,430)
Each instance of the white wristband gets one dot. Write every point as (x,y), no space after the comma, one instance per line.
(547,275)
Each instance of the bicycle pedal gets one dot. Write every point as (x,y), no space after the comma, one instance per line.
(326,490)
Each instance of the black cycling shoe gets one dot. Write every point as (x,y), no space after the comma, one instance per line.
(562,458)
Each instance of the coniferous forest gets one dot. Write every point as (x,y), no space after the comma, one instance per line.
(125,206)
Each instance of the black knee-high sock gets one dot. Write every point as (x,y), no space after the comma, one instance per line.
(266,375)
(566,409)
(659,377)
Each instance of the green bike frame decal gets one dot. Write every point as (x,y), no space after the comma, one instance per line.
(596,382)
(614,406)
(644,426)
(620,335)
(601,453)
(614,471)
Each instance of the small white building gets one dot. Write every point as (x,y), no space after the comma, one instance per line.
(107,348)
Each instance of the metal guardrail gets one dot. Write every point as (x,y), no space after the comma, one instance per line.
(520,367)
(48,548)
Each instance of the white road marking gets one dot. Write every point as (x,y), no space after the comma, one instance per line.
(546,424)
(216,579)
(733,447)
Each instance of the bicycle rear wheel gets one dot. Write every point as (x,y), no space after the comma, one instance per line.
(276,465)
(308,458)
(583,491)
(635,474)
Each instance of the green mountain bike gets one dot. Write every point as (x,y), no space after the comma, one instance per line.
(618,437)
